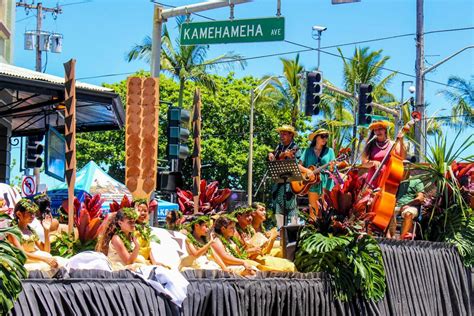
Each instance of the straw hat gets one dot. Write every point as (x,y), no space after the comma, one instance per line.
(321,131)
(287,128)
(380,124)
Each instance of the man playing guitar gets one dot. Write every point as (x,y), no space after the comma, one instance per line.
(281,193)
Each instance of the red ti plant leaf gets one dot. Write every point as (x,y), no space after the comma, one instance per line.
(93,229)
(125,202)
(84,220)
(114,206)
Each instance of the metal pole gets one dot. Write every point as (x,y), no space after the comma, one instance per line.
(319,48)
(156,43)
(198,7)
(420,83)
(250,168)
(39,20)
(375,105)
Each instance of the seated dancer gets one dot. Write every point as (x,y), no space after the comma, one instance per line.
(266,240)
(318,154)
(410,196)
(235,258)
(244,238)
(200,254)
(118,241)
(143,231)
(37,252)
(44,208)
(174,220)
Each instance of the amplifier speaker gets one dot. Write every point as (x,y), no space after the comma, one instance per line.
(289,237)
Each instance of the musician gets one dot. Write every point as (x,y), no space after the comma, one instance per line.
(410,196)
(377,148)
(286,149)
(318,154)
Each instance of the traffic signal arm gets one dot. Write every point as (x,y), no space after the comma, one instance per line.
(350,95)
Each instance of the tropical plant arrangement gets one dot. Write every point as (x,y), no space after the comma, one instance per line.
(12,268)
(211,200)
(88,220)
(115,206)
(447,213)
(336,242)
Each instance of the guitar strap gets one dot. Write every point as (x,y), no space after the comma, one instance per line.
(282,148)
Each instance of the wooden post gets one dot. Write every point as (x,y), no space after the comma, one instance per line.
(70,135)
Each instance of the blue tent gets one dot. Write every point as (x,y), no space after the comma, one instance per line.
(164,207)
(92,179)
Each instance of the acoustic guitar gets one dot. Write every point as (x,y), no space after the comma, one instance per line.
(311,177)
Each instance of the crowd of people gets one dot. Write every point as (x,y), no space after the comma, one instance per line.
(235,242)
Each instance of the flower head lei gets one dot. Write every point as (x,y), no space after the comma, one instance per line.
(28,206)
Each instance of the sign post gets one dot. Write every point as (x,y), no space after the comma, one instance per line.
(28,186)
(234,31)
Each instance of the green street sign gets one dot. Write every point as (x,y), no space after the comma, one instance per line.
(235,31)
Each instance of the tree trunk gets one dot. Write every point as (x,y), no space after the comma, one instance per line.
(181,92)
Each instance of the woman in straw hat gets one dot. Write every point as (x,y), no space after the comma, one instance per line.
(377,147)
(318,154)
(281,193)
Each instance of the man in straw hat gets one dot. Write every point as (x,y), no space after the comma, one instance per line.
(282,196)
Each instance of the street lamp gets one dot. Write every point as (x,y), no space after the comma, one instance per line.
(317,31)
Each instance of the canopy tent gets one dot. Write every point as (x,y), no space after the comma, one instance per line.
(92,179)
(34,99)
(164,207)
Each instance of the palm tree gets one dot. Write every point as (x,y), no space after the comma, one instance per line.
(363,67)
(286,92)
(462,100)
(185,62)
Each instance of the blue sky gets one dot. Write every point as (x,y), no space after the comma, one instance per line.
(99,33)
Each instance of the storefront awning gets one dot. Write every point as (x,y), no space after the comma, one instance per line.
(32,100)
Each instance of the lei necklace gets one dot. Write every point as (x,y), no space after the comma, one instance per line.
(127,242)
(144,230)
(226,243)
(247,230)
(194,241)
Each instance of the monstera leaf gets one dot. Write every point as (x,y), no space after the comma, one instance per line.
(12,270)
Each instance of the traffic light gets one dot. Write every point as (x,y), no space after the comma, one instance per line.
(178,134)
(365,109)
(314,90)
(34,149)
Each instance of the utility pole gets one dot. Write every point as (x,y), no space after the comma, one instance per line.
(161,16)
(39,20)
(420,80)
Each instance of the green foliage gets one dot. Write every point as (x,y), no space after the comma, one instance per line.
(12,270)
(462,101)
(447,214)
(225,132)
(66,246)
(354,263)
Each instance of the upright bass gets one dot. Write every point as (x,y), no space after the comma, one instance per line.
(384,200)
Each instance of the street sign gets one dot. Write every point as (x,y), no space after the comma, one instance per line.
(28,186)
(233,31)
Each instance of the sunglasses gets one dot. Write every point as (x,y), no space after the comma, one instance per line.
(324,136)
